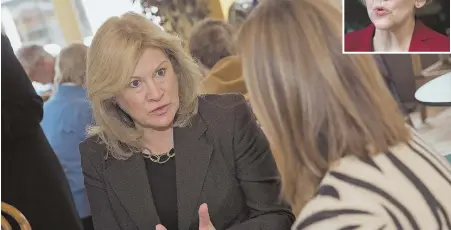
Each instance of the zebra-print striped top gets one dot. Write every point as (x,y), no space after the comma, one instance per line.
(408,187)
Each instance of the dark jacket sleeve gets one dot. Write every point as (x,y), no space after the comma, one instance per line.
(32,178)
(258,175)
(102,213)
(22,106)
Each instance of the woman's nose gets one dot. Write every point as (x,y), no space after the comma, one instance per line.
(154,92)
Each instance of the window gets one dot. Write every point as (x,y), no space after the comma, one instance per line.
(34,22)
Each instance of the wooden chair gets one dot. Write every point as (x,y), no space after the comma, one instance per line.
(399,80)
(404,73)
(442,66)
(16,215)
(417,72)
(45,96)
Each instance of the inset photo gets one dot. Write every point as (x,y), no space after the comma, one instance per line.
(396,26)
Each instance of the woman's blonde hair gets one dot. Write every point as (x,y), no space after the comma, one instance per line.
(70,65)
(115,50)
(315,104)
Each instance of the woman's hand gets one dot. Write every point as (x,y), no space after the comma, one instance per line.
(160,227)
(204,220)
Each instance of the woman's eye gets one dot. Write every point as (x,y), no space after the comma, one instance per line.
(161,72)
(135,83)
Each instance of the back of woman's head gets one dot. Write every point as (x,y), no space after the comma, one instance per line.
(210,41)
(70,66)
(316,105)
(114,53)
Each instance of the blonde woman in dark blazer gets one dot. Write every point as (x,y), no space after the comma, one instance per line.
(347,159)
(162,156)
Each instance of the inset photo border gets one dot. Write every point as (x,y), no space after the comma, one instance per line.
(396,26)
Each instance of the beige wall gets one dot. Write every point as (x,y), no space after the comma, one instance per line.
(68,20)
(215,9)
(225,5)
(219,9)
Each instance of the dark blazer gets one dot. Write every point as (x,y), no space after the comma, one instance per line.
(32,178)
(222,159)
(424,39)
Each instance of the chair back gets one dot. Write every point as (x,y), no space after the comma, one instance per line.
(403,71)
(16,215)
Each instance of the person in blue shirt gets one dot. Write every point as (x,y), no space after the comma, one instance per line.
(67,114)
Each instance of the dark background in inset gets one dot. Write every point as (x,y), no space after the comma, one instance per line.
(435,16)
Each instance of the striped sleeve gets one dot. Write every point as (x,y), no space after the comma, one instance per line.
(407,187)
(326,213)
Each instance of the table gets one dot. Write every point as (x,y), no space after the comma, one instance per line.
(436,92)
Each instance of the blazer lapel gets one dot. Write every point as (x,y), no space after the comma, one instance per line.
(366,44)
(192,160)
(420,38)
(129,181)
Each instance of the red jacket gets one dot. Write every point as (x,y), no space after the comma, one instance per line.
(423,40)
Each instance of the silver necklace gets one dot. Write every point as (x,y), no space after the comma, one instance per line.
(161,158)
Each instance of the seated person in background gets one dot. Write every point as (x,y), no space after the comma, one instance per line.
(39,65)
(395,29)
(32,178)
(66,116)
(211,45)
(347,159)
(160,150)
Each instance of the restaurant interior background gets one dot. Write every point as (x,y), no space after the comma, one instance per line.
(55,23)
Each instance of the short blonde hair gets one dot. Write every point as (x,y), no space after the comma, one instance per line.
(316,104)
(70,65)
(114,53)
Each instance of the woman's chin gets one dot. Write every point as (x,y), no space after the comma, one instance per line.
(382,24)
(160,122)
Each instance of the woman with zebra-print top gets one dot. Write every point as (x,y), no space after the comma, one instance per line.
(346,157)
(406,187)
